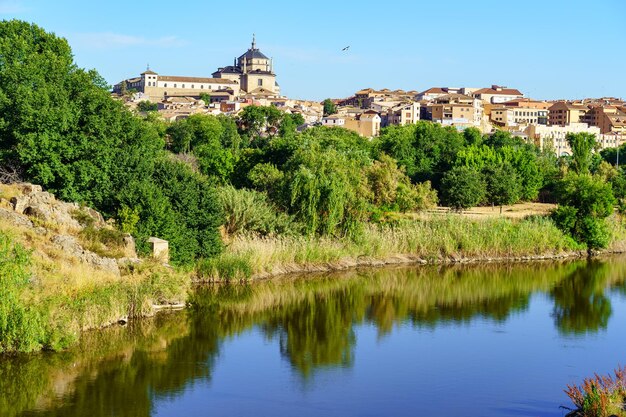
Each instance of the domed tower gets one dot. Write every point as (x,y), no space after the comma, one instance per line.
(254,72)
(257,72)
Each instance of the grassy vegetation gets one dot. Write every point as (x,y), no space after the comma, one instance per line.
(438,238)
(600,396)
(48,298)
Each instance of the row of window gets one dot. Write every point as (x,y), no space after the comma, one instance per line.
(193,86)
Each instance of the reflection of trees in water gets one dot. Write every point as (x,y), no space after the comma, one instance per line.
(120,372)
(137,365)
(580,305)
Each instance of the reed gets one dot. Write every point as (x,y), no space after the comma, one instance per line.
(435,239)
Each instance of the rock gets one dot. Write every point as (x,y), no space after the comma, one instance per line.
(129,246)
(70,246)
(27,188)
(20,203)
(128,261)
(41,230)
(15,218)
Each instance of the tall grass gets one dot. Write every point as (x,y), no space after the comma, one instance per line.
(46,301)
(439,238)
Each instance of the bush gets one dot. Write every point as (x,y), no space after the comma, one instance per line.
(584,204)
(249,211)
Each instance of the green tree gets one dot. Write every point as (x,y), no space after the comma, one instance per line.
(206,97)
(146,106)
(60,124)
(582,145)
(503,185)
(329,107)
(584,203)
(462,188)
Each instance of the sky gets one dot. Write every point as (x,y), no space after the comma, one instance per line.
(547,49)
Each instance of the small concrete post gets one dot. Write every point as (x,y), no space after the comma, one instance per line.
(160,249)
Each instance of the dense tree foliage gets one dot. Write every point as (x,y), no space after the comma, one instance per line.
(61,126)
(584,202)
(463,187)
(329,107)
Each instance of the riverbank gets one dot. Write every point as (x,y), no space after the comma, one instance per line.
(71,271)
(438,239)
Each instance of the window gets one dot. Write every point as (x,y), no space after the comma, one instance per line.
(260,82)
(192,86)
(165,85)
(183,85)
(174,85)
(201,86)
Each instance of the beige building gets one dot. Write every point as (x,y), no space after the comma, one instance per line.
(402,114)
(497,94)
(456,110)
(554,136)
(515,116)
(563,113)
(253,71)
(157,87)
(251,76)
(366,124)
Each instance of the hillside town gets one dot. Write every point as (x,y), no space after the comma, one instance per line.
(251,80)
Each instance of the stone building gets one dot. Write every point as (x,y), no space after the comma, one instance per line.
(253,71)
(251,75)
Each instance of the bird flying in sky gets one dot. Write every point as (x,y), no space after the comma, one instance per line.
(346,48)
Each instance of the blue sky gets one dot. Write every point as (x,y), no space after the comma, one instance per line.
(548,49)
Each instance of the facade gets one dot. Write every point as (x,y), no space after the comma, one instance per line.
(554,136)
(402,114)
(497,94)
(563,113)
(251,75)
(608,118)
(366,124)
(158,87)
(456,109)
(514,116)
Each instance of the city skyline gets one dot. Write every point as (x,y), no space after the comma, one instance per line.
(555,50)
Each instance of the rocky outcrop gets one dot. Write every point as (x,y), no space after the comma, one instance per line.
(70,246)
(41,212)
(45,207)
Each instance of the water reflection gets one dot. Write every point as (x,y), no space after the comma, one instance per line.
(580,305)
(122,371)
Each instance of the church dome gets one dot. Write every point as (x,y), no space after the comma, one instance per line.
(254,52)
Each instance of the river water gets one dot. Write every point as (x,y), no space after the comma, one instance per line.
(493,340)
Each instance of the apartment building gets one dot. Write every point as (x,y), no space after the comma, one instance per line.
(515,116)
(563,113)
(497,94)
(456,109)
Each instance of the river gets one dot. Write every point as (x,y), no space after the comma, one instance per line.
(490,340)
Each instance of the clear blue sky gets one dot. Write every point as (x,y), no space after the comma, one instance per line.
(547,49)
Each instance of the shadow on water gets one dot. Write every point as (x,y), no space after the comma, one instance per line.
(121,371)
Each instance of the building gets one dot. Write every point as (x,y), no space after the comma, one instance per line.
(563,113)
(366,124)
(402,114)
(506,116)
(252,75)
(497,94)
(455,110)
(157,87)
(554,136)
(608,118)
(253,71)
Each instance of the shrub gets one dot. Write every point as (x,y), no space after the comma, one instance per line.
(600,396)
(584,203)
(250,211)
